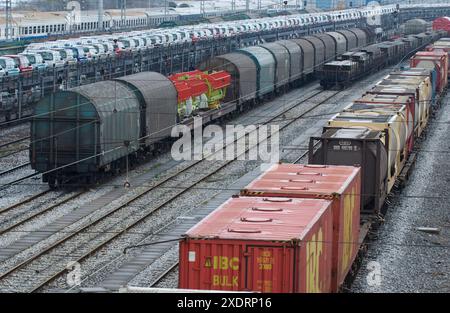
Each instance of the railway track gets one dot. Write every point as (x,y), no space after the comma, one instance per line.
(3,145)
(163,247)
(164,274)
(137,217)
(23,202)
(27,219)
(13,169)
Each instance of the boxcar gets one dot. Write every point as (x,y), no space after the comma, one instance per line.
(158,98)
(243,73)
(265,66)
(94,127)
(295,59)
(309,55)
(282,62)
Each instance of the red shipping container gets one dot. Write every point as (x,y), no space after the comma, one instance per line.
(426,59)
(260,244)
(442,23)
(341,184)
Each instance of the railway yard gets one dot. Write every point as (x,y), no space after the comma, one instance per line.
(348,192)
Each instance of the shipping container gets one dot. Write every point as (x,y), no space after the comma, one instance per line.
(295,59)
(421,72)
(349,146)
(430,60)
(281,56)
(309,55)
(330,46)
(158,114)
(394,127)
(341,184)
(382,103)
(352,40)
(408,91)
(77,126)
(265,65)
(243,75)
(277,245)
(424,90)
(405,118)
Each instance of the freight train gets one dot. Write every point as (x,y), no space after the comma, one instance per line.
(84,133)
(298,228)
(354,65)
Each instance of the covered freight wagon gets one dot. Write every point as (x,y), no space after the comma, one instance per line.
(340,184)
(295,59)
(340,41)
(243,73)
(351,39)
(158,98)
(330,46)
(265,68)
(309,55)
(84,131)
(282,62)
(319,50)
(260,244)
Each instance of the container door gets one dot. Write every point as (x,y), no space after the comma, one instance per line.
(269,269)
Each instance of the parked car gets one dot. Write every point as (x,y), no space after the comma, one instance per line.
(51,57)
(35,60)
(21,61)
(8,66)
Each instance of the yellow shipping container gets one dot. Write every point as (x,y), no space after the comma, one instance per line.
(424,93)
(394,124)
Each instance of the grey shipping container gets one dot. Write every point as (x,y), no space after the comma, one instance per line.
(361,35)
(340,42)
(97,123)
(265,65)
(281,55)
(362,146)
(295,59)
(159,101)
(352,40)
(330,46)
(308,53)
(243,75)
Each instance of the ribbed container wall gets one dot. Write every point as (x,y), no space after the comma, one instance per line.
(266,68)
(295,59)
(309,55)
(281,56)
